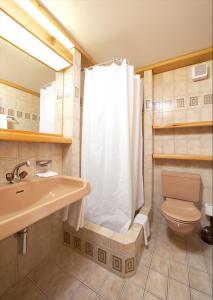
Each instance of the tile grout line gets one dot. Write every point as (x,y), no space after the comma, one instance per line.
(190,287)
(37,286)
(96,291)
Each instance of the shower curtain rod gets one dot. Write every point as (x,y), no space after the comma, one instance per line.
(108,62)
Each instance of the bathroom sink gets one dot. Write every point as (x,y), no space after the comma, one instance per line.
(26,202)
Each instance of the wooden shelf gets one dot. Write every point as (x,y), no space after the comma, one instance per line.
(184,125)
(183,157)
(27,136)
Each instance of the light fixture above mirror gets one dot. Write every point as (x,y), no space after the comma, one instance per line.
(24,40)
(31,9)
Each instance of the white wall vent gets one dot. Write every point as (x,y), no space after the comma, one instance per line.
(199,72)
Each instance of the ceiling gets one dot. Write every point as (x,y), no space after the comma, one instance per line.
(22,69)
(143,31)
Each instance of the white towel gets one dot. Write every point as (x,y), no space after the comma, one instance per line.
(47,174)
(74,214)
(3,121)
(143,220)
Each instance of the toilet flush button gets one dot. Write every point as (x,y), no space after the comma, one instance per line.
(209,209)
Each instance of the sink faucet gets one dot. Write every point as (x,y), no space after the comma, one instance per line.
(15,176)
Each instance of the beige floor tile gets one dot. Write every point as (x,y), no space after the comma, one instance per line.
(179,272)
(131,291)
(148,296)
(112,287)
(78,266)
(200,281)
(64,258)
(157,284)
(54,282)
(194,245)
(208,262)
(96,277)
(62,255)
(98,297)
(178,291)
(146,257)
(8,274)
(195,295)
(197,261)
(179,255)
(163,251)
(83,293)
(141,276)
(151,246)
(178,243)
(211,278)
(24,290)
(207,250)
(160,264)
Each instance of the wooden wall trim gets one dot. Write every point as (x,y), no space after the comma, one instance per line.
(183,157)
(27,136)
(19,87)
(22,18)
(87,60)
(178,62)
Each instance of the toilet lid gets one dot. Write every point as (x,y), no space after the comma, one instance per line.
(183,211)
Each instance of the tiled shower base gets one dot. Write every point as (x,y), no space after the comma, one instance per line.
(118,253)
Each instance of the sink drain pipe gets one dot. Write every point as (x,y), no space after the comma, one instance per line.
(22,241)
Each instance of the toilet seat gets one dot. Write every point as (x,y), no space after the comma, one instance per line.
(180,211)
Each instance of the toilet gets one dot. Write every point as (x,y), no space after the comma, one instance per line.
(181,193)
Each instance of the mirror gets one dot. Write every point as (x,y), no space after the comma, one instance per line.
(28,98)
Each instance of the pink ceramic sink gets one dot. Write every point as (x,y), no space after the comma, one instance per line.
(24,203)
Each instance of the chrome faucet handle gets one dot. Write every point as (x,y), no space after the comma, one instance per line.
(28,163)
(14,176)
(9,177)
(43,162)
(23,174)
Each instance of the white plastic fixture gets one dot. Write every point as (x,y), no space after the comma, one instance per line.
(24,40)
(209,209)
(199,72)
(40,18)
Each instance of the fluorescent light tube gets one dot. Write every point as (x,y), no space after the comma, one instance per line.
(23,39)
(40,18)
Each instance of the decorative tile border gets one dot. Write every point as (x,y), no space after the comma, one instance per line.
(208,99)
(118,253)
(34,117)
(76,92)
(89,249)
(193,101)
(130,265)
(180,102)
(77,242)
(116,263)
(67,238)
(11,112)
(27,116)
(102,254)
(19,114)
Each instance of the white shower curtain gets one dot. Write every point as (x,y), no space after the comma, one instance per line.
(48,108)
(112,145)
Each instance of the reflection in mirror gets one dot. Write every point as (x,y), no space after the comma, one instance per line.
(28,98)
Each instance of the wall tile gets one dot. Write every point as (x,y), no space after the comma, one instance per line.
(182,141)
